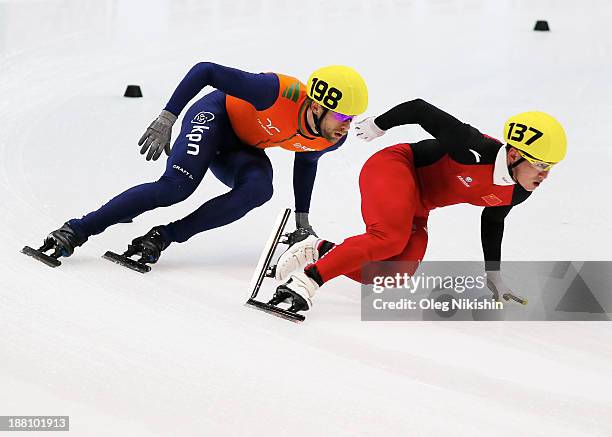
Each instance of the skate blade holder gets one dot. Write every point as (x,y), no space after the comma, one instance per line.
(124,261)
(275,311)
(265,269)
(514,297)
(40,255)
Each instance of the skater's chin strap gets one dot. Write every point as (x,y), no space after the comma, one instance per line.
(511,168)
(513,165)
(317,121)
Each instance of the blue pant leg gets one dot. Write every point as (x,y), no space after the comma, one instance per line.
(248,172)
(204,129)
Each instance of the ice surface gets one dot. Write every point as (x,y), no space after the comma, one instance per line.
(174,352)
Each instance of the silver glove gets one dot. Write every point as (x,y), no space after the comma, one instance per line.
(157,136)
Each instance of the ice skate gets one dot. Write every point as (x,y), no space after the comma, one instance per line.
(298,291)
(148,247)
(59,243)
(297,256)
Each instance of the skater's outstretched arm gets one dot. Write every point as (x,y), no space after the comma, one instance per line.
(304,174)
(492,228)
(260,90)
(492,233)
(436,122)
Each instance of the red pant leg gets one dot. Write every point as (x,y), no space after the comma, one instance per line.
(389,200)
(405,262)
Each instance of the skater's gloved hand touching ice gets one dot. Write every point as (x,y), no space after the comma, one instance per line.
(496,284)
(367,129)
(157,136)
(301,222)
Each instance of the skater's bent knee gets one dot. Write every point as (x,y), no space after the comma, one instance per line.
(260,193)
(384,245)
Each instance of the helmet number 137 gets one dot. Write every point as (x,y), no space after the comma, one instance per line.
(519,133)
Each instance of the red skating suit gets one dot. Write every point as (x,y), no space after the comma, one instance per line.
(402,183)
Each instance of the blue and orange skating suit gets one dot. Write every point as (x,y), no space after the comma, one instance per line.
(280,124)
(265,110)
(262,110)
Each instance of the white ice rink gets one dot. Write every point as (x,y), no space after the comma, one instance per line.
(174,352)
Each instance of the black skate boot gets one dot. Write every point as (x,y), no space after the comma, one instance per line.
(62,241)
(148,247)
(284,293)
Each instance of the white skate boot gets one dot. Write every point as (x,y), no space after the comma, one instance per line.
(298,256)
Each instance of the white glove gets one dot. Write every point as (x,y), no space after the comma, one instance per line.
(157,136)
(497,286)
(367,130)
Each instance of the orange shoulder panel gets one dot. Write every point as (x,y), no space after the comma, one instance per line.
(276,126)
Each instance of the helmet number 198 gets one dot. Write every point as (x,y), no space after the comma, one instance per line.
(322,92)
(519,133)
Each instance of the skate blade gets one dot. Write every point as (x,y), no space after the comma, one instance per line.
(126,262)
(263,268)
(276,311)
(40,256)
(519,299)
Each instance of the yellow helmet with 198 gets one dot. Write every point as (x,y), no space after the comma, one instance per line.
(339,88)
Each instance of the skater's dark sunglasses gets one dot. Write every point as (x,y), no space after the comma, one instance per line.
(342,118)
